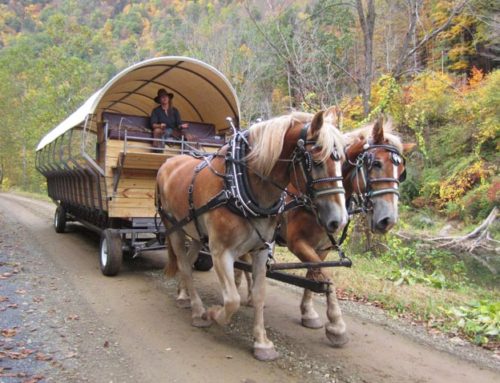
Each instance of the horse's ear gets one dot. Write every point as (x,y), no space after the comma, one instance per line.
(378,131)
(407,148)
(355,148)
(316,122)
(335,113)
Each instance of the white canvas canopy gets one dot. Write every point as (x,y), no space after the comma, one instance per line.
(201,93)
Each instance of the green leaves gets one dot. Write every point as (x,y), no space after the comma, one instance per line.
(480,320)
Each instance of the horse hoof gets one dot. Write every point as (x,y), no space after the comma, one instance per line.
(313,323)
(337,340)
(183,303)
(265,354)
(201,322)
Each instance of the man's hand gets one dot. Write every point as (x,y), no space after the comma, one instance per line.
(185,125)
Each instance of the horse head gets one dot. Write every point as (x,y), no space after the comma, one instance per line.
(373,172)
(317,167)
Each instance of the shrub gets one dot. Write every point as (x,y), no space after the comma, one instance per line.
(479,202)
(479,320)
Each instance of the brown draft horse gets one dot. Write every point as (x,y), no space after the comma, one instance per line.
(371,175)
(279,150)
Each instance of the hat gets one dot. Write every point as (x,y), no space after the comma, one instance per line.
(163,92)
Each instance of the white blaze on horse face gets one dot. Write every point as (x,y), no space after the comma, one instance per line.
(396,186)
(338,173)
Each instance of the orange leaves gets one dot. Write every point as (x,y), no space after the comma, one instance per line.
(476,77)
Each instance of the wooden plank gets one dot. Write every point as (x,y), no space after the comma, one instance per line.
(134,193)
(150,161)
(132,202)
(131,212)
(137,183)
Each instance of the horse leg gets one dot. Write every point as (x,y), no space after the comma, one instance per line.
(335,328)
(183,301)
(184,261)
(263,348)
(306,253)
(248,277)
(310,317)
(224,267)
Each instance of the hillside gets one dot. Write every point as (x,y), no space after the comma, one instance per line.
(432,65)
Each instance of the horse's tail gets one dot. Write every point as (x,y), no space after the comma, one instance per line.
(172,266)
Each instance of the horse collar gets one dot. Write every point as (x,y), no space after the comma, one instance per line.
(238,185)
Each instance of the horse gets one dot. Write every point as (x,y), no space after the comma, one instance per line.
(373,169)
(233,200)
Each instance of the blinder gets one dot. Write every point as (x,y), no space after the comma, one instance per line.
(402,176)
(307,162)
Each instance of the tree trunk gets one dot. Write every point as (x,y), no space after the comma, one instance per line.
(25,173)
(367,22)
(1,175)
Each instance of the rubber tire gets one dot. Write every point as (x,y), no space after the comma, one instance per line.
(60,220)
(204,262)
(111,253)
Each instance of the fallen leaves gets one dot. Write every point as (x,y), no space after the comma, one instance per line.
(9,332)
(43,357)
(16,355)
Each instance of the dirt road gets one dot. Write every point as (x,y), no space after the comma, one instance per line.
(62,321)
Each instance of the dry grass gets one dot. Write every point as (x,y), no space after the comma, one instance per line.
(366,281)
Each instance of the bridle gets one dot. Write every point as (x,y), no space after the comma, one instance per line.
(362,167)
(306,162)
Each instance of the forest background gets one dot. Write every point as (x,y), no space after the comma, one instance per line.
(430,64)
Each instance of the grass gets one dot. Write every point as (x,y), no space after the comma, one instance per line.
(370,280)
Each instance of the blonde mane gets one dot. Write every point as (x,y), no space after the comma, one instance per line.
(366,132)
(267,138)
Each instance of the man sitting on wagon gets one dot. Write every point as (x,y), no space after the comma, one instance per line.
(166,120)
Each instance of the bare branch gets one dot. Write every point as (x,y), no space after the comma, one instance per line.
(397,71)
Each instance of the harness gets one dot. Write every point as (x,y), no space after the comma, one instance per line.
(237,195)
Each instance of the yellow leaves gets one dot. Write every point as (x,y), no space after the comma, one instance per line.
(180,5)
(33,10)
(352,112)
(457,186)
(245,51)
(280,101)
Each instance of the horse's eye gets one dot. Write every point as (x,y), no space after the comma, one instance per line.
(317,164)
(316,149)
(377,164)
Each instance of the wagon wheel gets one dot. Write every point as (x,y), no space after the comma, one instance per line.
(204,261)
(60,220)
(111,256)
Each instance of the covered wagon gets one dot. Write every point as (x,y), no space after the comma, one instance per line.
(100,163)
